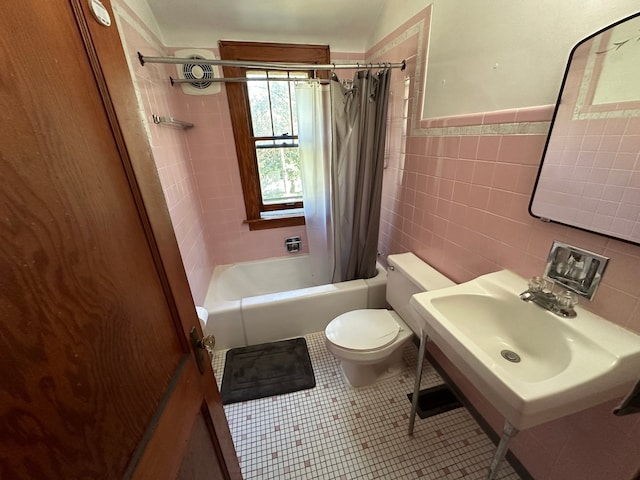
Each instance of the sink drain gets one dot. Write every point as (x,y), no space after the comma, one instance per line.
(511,356)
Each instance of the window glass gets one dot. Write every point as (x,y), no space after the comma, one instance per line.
(273,113)
(281,110)
(260,104)
(280,179)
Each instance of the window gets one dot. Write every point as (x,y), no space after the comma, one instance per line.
(265,130)
(275,130)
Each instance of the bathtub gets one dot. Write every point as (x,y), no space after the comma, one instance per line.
(267,300)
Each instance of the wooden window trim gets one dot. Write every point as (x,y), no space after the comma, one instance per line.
(238,98)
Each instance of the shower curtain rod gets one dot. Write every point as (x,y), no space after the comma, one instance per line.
(175,81)
(270,65)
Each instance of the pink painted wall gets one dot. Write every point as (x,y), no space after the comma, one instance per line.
(171,151)
(456,193)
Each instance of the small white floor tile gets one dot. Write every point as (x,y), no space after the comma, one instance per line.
(334,431)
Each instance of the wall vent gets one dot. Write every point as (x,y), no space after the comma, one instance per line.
(193,71)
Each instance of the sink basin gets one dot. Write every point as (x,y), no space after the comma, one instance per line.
(561,365)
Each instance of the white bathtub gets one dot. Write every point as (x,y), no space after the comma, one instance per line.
(274,299)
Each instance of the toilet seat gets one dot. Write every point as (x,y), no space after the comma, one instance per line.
(363,330)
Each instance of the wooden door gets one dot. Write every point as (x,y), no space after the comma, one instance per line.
(98,378)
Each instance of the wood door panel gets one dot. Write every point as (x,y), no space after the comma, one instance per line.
(98,377)
(200,462)
(179,446)
(87,339)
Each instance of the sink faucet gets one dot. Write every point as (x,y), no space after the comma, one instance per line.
(540,292)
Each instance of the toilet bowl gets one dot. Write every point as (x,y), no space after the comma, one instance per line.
(369,343)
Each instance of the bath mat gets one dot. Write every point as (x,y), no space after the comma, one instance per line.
(435,400)
(259,371)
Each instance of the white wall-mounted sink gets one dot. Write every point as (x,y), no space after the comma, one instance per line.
(566,365)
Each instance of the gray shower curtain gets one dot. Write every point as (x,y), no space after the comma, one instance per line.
(359,122)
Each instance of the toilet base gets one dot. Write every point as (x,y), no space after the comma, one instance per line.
(360,375)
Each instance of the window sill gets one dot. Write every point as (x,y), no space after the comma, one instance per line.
(290,212)
(275,221)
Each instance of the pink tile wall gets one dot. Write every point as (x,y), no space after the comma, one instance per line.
(215,165)
(171,154)
(460,202)
(199,171)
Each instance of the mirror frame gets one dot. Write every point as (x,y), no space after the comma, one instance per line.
(553,121)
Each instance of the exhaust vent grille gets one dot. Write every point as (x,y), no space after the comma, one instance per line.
(192,71)
(195,71)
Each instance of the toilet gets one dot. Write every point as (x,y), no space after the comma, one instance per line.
(369,342)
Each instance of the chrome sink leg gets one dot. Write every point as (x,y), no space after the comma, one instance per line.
(416,386)
(508,432)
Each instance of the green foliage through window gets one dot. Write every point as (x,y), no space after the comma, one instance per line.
(275,133)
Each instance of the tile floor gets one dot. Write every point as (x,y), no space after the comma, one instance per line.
(336,432)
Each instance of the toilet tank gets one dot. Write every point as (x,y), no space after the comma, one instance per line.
(408,275)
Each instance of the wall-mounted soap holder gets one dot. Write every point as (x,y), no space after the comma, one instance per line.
(575,269)
(293,244)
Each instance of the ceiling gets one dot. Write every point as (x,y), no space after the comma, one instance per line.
(345,25)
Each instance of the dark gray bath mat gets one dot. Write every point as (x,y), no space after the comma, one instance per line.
(435,400)
(259,371)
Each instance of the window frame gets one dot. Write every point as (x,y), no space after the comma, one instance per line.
(239,109)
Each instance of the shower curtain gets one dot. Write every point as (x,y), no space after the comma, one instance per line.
(359,122)
(313,106)
(341,137)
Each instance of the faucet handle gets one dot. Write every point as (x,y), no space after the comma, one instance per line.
(567,300)
(535,284)
(540,284)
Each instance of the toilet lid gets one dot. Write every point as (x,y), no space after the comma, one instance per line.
(363,329)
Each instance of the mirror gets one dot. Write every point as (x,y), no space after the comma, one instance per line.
(590,172)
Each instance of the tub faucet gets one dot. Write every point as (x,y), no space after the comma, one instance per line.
(293,244)
(540,292)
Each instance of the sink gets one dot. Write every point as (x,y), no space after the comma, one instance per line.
(531,364)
